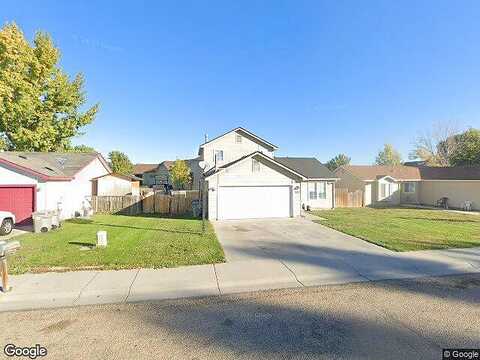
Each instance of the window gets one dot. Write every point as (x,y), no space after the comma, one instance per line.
(383,190)
(409,187)
(160,179)
(218,155)
(255,165)
(322,190)
(238,139)
(317,190)
(312,193)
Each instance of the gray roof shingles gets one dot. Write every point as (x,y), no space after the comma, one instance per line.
(311,168)
(51,164)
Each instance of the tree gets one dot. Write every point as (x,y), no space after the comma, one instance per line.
(180,173)
(39,104)
(388,156)
(337,161)
(81,149)
(467,150)
(436,146)
(120,163)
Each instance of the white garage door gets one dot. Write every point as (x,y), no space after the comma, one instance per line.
(244,202)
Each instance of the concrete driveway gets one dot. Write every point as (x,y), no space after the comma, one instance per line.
(317,255)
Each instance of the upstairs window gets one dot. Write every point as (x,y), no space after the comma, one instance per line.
(238,138)
(218,155)
(255,165)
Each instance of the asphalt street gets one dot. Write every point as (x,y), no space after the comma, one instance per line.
(401,319)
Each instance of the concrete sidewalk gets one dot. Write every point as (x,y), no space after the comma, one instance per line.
(34,291)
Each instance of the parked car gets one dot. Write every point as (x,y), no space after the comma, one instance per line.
(7,220)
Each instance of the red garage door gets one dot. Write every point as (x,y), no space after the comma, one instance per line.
(19,200)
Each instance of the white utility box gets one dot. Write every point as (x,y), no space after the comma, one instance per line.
(101,239)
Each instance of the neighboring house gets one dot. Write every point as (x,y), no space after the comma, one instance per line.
(160,175)
(140,169)
(116,185)
(412,185)
(36,181)
(245,180)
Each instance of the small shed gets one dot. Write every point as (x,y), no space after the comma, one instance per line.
(116,185)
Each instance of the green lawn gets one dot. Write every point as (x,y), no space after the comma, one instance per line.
(403,229)
(133,242)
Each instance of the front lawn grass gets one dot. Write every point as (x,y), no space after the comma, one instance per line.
(133,242)
(404,229)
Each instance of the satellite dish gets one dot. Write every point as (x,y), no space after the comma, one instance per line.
(202,164)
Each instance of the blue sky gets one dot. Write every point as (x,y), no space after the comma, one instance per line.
(314,77)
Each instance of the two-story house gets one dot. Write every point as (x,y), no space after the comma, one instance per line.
(244,179)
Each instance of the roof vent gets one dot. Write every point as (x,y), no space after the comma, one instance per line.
(61,161)
(49,168)
(23,157)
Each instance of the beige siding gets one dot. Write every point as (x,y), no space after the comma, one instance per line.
(231,149)
(457,192)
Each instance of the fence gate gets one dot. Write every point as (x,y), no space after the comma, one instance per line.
(345,198)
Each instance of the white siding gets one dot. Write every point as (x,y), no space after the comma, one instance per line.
(81,187)
(113,186)
(326,203)
(368,194)
(392,197)
(9,176)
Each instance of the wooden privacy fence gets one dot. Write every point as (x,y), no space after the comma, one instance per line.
(345,198)
(176,204)
(179,203)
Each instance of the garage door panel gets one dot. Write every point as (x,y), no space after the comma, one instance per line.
(19,201)
(244,202)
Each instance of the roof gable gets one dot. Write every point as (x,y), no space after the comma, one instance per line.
(254,154)
(246,133)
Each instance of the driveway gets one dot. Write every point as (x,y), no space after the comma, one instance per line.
(317,255)
(286,239)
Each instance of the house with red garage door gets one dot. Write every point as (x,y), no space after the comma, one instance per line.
(38,181)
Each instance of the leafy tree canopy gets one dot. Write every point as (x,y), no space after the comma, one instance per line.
(180,173)
(120,163)
(388,156)
(81,149)
(337,161)
(467,149)
(39,104)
